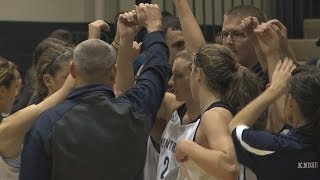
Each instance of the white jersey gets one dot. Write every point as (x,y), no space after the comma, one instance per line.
(168,167)
(152,159)
(190,170)
(9,169)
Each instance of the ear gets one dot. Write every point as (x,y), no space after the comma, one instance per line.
(3,90)
(199,75)
(47,80)
(72,69)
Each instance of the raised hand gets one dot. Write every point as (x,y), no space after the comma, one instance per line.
(281,36)
(268,37)
(285,50)
(249,24)
(96,27)
(193,36)
(127,24)
(127,29)
(281,27)
(149,16)
(136,47)
(282,33)
(281,75)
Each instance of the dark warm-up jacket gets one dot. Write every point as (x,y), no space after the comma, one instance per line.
(292,156)
(94,136)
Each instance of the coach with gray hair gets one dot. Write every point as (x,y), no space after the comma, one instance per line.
(92,134)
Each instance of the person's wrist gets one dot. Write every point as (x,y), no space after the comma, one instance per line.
(273,52)
(117,37)
(115,45)
(153,27)
(94,33)
(273,56)
(270,51)
(126,38)
(274,92)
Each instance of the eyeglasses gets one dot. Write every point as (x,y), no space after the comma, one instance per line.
(235,35)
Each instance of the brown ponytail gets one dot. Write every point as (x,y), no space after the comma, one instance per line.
(242,89)
(236,84)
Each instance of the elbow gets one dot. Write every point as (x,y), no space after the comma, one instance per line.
(232,172)
(197,45)
(4,139)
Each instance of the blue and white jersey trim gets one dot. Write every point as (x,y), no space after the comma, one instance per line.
(260,152)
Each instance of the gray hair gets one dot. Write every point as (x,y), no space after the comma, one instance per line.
(94,57)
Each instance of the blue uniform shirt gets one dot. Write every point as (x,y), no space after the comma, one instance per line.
(277,157)
(92,135)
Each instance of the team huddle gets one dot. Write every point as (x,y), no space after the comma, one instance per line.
(243,109)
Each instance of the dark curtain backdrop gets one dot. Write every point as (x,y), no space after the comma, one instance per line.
(292,13)
(18,39)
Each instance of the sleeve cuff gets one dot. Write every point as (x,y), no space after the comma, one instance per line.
(153,37)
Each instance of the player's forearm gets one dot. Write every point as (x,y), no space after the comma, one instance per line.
(250,113)
(13,130)
(287,52)
(192,33)
(215,163)
(279,103)
(125,75)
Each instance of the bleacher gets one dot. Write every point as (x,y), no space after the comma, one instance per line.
(306,48)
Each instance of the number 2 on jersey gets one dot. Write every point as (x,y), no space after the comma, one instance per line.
(166,163)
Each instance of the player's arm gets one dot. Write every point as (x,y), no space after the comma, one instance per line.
(168,106)
(14,127)
(219,159)
(191,30)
